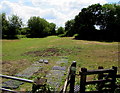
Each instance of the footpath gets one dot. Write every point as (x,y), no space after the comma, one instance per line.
(27,73)
(54,77)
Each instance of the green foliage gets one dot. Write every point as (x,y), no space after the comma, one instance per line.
(106,17)
(36,26)
(62,35)
(60,30)
(24,31)
(5,25)
(45,89)
(21,36)
(76,36)
(69,28)
(11,27)
(52,27)
(15,24)
(39,27)
(90,87)
(15,21)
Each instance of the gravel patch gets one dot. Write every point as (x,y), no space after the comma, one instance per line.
(54,78)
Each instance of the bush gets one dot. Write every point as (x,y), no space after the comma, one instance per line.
(76,36)
(21,36)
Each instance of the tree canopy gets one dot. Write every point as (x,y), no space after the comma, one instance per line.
(11,26)
(39,27)
(96,22)
(36,27)
(69,28)
(105,17)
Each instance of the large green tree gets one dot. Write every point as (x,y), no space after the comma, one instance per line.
(39,27)
(11,26)
(69,28)
(15,23)
(52,27)
(111,20)
(5,25)
(84,24)
(106,17)
(60,30)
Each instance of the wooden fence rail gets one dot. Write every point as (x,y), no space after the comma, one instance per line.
(105,83)
(14,78)
(8,90)
(35,83)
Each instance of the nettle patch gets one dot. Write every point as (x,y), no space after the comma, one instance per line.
(53,52)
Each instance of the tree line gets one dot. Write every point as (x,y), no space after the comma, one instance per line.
(96,22)
(36,27)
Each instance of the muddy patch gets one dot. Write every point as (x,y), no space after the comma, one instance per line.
(53,52)
(13,67)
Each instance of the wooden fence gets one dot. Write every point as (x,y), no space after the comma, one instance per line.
(70,80)
(105,83)
(106,80)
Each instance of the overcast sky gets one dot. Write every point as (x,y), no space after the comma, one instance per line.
(56,11)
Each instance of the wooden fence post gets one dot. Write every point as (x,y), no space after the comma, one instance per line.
(83,80)
(114,74)
(72,76)
(100,76)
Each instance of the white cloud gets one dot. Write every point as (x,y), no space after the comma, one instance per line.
(57,11)
(25,12)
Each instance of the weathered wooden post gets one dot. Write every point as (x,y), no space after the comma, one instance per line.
(83,80)
(72,76)
(100,76)
(113,74)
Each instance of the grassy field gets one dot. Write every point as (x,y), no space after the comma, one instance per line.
(20,54)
